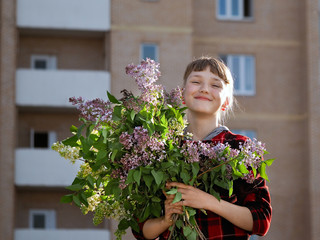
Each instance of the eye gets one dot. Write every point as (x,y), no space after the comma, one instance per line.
(195,81)
(216,85)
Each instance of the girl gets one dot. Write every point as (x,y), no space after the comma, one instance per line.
(208,94)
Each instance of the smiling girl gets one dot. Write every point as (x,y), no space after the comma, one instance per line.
(208,94)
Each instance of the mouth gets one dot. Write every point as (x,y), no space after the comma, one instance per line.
(203,98)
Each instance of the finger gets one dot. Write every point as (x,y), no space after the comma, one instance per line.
(176,184)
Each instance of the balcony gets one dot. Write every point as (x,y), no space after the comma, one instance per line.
(43,168)
(53,88)
(81,15)
(61,234)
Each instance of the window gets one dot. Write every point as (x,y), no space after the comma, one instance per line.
(43,62)
(234,9)
(249,133)
(149,50)
(242,68)
(42,219)
(42,139)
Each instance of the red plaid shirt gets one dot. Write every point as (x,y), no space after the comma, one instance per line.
(254,196)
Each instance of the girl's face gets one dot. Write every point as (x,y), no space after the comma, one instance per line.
(205,93)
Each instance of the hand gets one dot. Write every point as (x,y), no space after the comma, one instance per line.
(192,197)
(171,209)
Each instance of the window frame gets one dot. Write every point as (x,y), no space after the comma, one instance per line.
(52,138)
(242,78)
(49,59)
(49,218)
(142,45)
(229,15)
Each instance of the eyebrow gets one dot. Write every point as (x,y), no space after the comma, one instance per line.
(216,78)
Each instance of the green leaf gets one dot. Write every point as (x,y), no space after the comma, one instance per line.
(85,145)
(71,141)
(192,236)
(123,224)
(179,223)
(158,176)
(73,129)
(215,194)
(192,212)
(155,199)
(134,225)
(112,98)
(148,179)
(76,200)
(177,198)
(130,177)
(254,172)
(67,198)
(146,213)
(195,169)
(83,199)
(116,116)
(172,191)
(132,115)
(137,176)
(262,170)
(269,162)
(112,188)
(75,187)
(114,154)
(90,181)
(243,168)
(186,231)
(185,176)
(230,188)
(156,209)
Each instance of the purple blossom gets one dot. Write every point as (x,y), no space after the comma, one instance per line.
(190,151)
(207,150)
(175,96)
(141,137)
(94,110)
(152,94)
(253,152)
(126,140)
(156,144)
(145,74)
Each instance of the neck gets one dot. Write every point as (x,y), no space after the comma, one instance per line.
(201,126)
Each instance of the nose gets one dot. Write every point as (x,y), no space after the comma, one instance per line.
(204,88)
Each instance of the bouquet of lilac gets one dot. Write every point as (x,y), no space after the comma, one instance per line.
(130,148)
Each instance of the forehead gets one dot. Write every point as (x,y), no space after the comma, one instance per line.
(205,73)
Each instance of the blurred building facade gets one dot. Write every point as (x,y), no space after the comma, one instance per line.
(53,50)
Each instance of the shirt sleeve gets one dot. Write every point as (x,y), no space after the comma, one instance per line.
(258,201)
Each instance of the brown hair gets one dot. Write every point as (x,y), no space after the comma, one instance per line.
(216,66)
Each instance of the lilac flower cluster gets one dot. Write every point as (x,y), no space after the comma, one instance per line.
(93,110)
(253,152)
(142,150)
(152,94)
(175,96)
(190,150)
(209,155)
(145,74)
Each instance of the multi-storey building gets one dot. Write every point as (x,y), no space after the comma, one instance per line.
(51,50)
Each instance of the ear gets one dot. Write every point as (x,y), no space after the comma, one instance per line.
(226,103)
